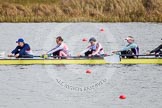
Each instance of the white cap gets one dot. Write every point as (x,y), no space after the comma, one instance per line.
(130,38)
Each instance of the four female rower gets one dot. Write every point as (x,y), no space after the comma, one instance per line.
(156,51)
(22,50)
(130,50)
(94,49)
(60,50)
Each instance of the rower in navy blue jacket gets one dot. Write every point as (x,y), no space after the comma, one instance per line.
(157,51)
(22,50)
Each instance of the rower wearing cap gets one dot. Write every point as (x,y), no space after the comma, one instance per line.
(60,50)
(156,51)
(130,49)
(22,50)
(94,49)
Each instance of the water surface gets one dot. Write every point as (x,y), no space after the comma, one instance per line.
(60,86)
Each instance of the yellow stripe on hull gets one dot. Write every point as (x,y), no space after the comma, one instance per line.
(50,61)
(142,61)
(77,61)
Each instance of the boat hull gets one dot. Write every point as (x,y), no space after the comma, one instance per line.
(142,61)
(77,61)
(50,61)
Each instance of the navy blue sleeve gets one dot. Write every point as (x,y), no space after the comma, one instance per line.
(156,50)
(15,50)
(24,49)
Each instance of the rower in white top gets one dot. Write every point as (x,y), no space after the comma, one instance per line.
(60,50)
(95,49)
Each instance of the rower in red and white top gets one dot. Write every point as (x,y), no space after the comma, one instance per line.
(60,50)
(95,49)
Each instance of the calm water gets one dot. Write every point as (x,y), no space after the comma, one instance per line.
(60,86)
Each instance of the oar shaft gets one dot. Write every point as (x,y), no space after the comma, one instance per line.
(71,56)
(141,55)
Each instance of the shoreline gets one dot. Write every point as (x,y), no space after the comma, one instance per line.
(80,11)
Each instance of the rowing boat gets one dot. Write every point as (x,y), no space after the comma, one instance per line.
(51,61)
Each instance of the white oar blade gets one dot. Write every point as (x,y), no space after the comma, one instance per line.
(112,59)
(2,54)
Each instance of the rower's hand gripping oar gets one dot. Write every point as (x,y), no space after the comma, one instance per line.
(45,56)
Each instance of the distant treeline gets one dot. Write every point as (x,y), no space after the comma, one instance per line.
(80,10)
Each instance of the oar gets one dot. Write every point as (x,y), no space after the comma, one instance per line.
(46,56)
(2,54)
(141,55)
(112,58)
(112,55)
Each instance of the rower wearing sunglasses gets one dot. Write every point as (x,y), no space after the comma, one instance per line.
(131,50)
